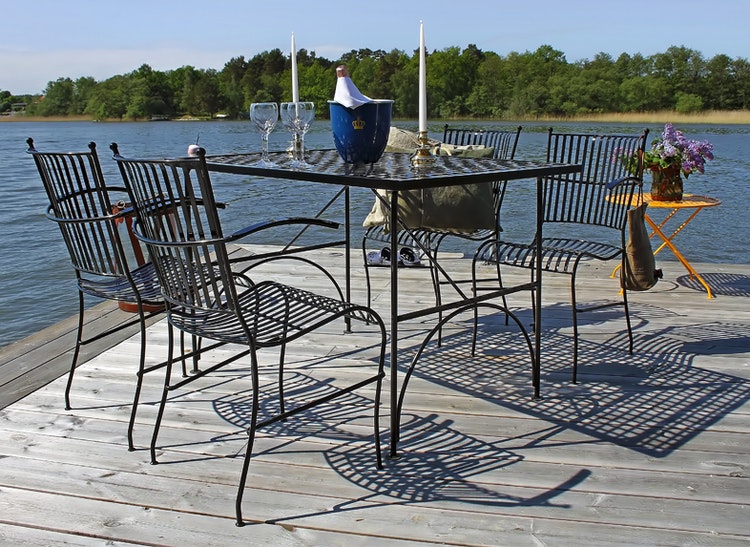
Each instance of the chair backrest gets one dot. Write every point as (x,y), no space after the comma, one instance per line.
(178,221)
(502,142)
(604,191)
(84,208)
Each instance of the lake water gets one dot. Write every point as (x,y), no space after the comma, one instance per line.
(36,281)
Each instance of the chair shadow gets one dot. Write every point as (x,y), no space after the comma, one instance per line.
(442,464)
(652,402)
(724,284)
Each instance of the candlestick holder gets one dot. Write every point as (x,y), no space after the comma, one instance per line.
(422,157)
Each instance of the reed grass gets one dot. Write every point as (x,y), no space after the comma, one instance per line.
(721,117)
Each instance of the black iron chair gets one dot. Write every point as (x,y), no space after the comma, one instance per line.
(424,241)
(88,213)
(584,216)
(177,220)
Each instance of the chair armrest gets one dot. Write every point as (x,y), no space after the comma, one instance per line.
(91,219)
(617,182)
(257,227)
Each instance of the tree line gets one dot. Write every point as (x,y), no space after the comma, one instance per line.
(461,83)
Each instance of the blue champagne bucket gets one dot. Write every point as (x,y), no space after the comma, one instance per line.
(361,134)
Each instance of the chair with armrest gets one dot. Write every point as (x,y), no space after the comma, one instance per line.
(213,298)
(87,211)
(584,217)
(497,144)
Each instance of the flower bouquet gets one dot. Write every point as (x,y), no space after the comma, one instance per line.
(671,156)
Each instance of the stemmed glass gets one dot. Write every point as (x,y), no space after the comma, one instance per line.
(297,117)
(264,116)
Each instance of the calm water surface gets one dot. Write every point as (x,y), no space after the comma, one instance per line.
(36,282)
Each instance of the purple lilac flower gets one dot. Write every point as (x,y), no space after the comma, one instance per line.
(674,149)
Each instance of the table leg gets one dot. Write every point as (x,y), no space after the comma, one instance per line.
(347,254)
(536,365)
(667,242)
(395,417)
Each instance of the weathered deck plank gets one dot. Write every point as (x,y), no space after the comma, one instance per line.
(646,449)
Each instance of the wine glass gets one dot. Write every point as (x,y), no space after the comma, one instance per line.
(297,118)
(264,116)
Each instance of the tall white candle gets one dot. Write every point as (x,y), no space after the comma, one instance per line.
(422,82)
(295,83)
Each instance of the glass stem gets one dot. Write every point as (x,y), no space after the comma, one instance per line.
(298,148)
(301,148)
(264,146)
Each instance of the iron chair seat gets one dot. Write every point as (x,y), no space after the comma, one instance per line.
(559,255)
(259,306)
(596,202)
(118,287)
(87,211)
(206,297)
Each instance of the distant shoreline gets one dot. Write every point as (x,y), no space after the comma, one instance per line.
(740,117)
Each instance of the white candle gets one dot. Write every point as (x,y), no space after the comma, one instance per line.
(295,83)
(422,82)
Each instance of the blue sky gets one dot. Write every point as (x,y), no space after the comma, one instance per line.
(43,40)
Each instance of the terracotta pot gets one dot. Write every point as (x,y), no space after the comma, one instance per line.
(133,308)
(667,184)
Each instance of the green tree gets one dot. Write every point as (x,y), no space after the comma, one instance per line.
(109,100)
(461,83)
(82,89)
(406,89)
(207,92)
(688,103)
(230,86)
(451,76)
(58,98)
(720,84)
(5,102)
(740,70)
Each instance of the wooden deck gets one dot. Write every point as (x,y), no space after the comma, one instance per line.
(649,449)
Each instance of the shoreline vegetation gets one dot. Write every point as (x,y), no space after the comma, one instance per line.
(741,117)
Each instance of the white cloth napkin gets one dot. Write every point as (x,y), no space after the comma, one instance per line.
(347,93)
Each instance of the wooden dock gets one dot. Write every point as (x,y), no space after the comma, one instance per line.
(648,449)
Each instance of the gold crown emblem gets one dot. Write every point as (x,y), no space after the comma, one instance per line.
(358,123)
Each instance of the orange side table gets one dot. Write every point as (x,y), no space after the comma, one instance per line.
(689,201)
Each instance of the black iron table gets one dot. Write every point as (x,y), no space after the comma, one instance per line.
(395,173)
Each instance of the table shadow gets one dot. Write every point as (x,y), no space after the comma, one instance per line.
(652,402)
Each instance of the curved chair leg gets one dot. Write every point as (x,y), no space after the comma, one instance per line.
(76,351)
(282,356)
(379,390)
(367,273)
(532,279)
(434,246)
(250,440)
(574,306)
(500,284)
(435,276)
(256,408)
(195,350)
(627,320)
(576,311)
(439,326)
(165,393)
(139,380)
